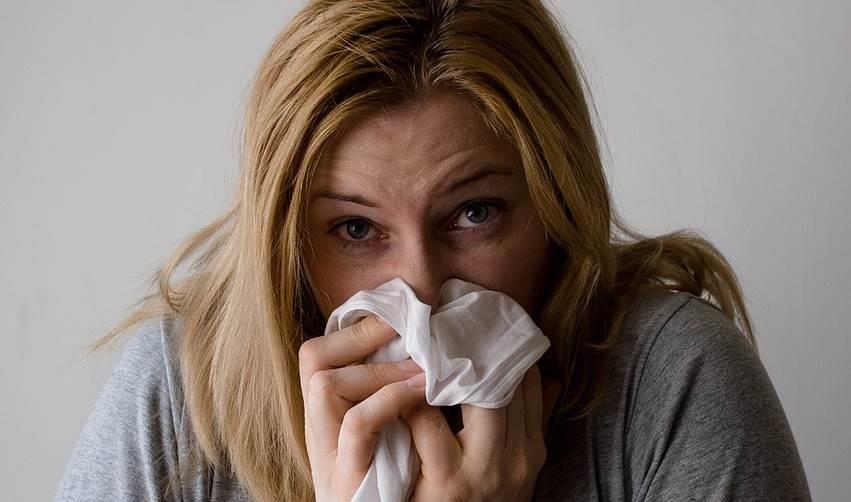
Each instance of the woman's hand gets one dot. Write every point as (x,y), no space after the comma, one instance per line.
(347,404)
(496,456)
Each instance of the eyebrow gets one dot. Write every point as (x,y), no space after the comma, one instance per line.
(484,172)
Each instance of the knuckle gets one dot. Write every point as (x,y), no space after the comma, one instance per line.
(359,334)
(307,352)
(355,421)
(481,479)
(361,417)
(527,465)
(432,419)
(363,332)
(388,394)
(456,494)
(457,490)
(322,383)
(373,377)
(538,456)
(520,471)
(491,481)
(389,372)
(378,372)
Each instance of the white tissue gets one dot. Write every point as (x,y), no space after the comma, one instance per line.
(475,349)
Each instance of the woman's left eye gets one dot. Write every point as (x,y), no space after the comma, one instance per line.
(476,214)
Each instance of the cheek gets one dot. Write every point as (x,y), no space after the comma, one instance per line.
(331,280)
(334,280)
(513,265)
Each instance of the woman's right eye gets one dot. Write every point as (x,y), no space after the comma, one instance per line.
(352,234)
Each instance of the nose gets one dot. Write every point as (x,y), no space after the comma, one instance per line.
(424,269)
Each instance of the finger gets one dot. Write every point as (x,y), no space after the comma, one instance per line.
(483,435)
(436,444)
(357,382)
(363,423)
(334,391)
(342,347)
(515,417)
(532,394)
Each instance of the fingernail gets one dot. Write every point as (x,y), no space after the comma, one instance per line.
(417,381)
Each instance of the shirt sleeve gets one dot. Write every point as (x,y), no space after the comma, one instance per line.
(127,448)
(707,421)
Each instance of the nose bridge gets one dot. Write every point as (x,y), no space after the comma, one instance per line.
(423,268)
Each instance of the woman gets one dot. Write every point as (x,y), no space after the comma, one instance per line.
(432,139)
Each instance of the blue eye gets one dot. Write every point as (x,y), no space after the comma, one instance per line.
(357,229)
(477,213)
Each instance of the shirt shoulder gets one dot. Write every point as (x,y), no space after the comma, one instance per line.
(689,413)
(126,447)
(703,418)
(136,442)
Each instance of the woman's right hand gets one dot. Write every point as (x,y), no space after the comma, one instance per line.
(347,404)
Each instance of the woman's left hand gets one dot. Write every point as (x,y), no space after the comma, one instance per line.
(496,456)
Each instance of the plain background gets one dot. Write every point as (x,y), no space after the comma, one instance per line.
(118,132)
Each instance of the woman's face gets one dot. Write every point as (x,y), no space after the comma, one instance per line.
(426,193)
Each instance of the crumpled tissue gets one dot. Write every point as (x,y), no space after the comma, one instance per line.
(475,348)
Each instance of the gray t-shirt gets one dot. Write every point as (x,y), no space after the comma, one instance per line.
(690,414)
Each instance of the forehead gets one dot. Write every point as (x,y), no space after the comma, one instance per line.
(419,142)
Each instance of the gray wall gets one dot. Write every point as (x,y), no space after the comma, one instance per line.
(118,125)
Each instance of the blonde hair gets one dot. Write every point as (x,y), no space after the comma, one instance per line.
(245,305)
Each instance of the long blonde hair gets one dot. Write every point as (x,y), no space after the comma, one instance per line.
(245,305)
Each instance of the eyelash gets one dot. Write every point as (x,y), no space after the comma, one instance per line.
(355,245)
